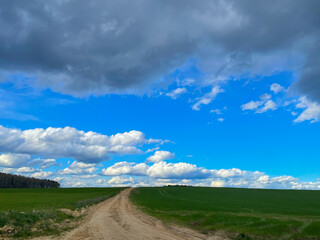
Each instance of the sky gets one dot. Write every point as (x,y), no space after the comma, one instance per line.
(150,93)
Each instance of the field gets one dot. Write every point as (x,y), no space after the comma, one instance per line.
(241,213)
(34,212)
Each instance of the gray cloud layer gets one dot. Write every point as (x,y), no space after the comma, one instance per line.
(97,47)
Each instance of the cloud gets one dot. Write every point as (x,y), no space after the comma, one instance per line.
(269,105)
(252,105)
(276,88)
(26,170)
(158,170)
(123,168)
(160,156)
(308,84)
(125,46)
(220,119)
(42,174)
(311,112)
(265,97)
(13,160)
(163,173)
(152,149)
(70,142)
(262,106)
(186,82)
(207,98)
(43,163)
(176,93)
(177,171)
(217,111)
(217,183)
(78,168)
(117,181)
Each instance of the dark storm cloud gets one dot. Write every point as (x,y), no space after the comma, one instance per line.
(96,47)
(309,81)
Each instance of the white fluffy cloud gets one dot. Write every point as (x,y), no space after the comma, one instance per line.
(13,160)
(163,173)
(158,170)
(118,181)
(177,171)
(174,94)
(218,183)
(79,168)
(42,174)
(160,156)
(122,168)
(311,112)
(207,98)
(70,142)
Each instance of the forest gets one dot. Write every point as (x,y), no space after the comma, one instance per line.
(15,181)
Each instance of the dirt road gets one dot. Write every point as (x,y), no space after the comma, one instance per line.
(116,218)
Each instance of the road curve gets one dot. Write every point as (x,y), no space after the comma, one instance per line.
(116,218)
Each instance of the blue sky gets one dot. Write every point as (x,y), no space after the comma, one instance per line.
(113,100)
(268,142)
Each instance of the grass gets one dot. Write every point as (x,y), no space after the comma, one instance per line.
(242,213)
(35,212)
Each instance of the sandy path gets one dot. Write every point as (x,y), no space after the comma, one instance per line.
(116,218)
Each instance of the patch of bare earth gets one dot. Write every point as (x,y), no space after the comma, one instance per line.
(117,219)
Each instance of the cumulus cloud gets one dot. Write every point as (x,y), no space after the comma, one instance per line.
(122,168)
(218,183)
(79,168)
(311,111)
(163,173)
(158,170)
(13,160)
(177,171)
(160,156)
(118,181)
(42,174)
(70,142)
(174,94)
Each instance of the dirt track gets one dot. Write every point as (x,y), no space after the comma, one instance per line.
(116,218)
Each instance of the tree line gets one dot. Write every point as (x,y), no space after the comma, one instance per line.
(15,181)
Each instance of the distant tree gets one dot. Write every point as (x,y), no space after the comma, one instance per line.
(15,181)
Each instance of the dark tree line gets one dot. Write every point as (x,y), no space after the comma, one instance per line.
(15,181)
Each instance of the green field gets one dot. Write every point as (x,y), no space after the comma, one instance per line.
(242,213)
(34,212)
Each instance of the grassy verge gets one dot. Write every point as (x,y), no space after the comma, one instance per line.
(35,212)
(242,213)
